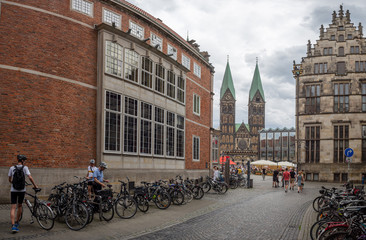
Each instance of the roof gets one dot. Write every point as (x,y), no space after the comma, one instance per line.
(256,84)
(227,82)
(237,126)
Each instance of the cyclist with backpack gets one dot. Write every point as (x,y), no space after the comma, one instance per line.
(16,176)
(91,169)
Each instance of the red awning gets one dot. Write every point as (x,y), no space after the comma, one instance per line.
(224,158)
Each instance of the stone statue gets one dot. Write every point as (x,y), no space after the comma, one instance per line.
(348,17)
(309,47)
(360,29)
(341,11)
(321,31)
(334,15)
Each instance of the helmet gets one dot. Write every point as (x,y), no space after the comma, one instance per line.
(21,157)
(103,164)
(92,161)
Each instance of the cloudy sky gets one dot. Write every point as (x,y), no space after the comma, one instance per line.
(275,31)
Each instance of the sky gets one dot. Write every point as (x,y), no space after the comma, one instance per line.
(275,31)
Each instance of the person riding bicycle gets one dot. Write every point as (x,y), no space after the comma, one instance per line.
(99,177)
(16,176)
(91,169)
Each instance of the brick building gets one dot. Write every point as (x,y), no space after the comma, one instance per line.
(240,140)
(102,79)
(331,96)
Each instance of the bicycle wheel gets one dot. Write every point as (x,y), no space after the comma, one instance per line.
(76,216)
(243,183)
(316,203)
(107,210)
(126,207)
(206,187)
(198,192)
(91,213)
(162,200)
(177,197)
(45,217)
(142,203)
(314,228)
(343,235)
(188,195)
(234,185)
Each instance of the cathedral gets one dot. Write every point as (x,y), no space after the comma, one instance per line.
(240,141)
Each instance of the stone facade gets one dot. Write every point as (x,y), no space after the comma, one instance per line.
(332,103)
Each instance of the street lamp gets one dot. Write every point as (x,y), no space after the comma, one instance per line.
(297,71)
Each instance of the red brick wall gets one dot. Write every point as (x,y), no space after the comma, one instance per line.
(54,121)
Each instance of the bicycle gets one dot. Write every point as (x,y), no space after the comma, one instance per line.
(40,210)
(124,204)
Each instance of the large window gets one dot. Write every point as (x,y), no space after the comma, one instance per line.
(196,148)
(312,104)
(180,89)
(341,142)
(360,66)
(341,97)
(285,146)
(186,61)
(113,58)
(355,49)
(197,70)
(170,132)
(341,51)
(277,146)
(341,68)
(170,84)
(172,52)
(320,68)
(328,51)
(270,146)
(146,72)
(292,145)
(363,85)
(111,17)
(159,131)
(156,41)
(180,136)
(363,143)
(146,128)
(112,138)
(196,104)
(312,144)
(215,149)
(159,78)
(136,30)
(130,125)
(82,6)
(131,65)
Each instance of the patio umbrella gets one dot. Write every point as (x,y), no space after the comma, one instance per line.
(286,164)
(264,162)
(224,158)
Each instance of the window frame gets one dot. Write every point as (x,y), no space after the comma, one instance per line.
(144,140)
(134,30)
(152,41)
(312,144)
(341,97)
(126,116)
(340,142)
(195,151)
(172,50)
(196,69)
(113,59)
(118,24)
(312,98)
(129,65)
(118,112)
(186,61)
(196,109)
(81,11)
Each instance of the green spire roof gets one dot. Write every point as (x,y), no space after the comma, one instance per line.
(256,84)
(227,82)
(237,126)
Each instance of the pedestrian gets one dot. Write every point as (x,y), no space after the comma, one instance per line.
(16,176)
(292,179)
(275,178)
(300,181)
(281,174)
(216,174)
(263,173)
(91,169)
(98,176)
(363,179)
(286,179)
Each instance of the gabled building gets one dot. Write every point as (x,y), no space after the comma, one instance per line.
(331,95)
(240,140)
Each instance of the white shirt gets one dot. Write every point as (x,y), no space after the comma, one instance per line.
(11,172)
(216,175)
(91,171)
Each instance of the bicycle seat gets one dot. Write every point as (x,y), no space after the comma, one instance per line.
(37,189)
(109,185)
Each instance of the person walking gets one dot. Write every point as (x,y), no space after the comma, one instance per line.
(263,173)
(286,178)
(275,178)
(16,176)
(292,179)
(91,169)
(300,181)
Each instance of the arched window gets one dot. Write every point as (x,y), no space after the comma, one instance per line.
(341,51)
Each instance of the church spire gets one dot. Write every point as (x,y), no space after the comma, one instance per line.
(227,82)
(256,84)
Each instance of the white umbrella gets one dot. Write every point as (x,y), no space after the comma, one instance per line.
(286,164)
(264,162)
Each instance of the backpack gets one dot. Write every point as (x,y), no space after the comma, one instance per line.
(18,178)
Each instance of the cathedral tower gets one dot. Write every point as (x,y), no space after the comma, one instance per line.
(256,108)
(227,111)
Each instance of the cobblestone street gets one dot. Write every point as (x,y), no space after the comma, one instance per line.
(262,212)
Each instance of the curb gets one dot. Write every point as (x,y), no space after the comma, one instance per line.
(307,221)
